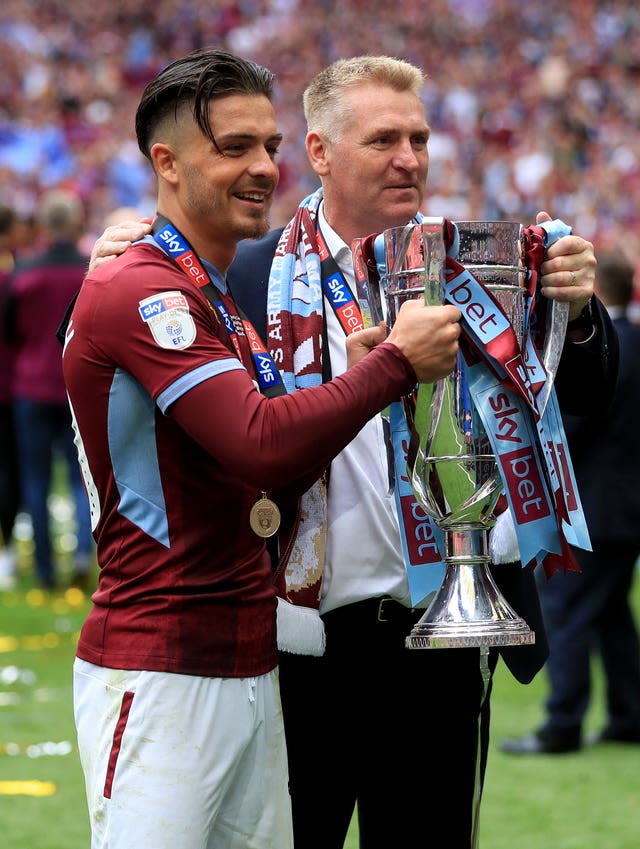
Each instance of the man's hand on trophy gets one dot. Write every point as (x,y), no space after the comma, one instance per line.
(428,337)
(116,239)
(569,271)
(361,342)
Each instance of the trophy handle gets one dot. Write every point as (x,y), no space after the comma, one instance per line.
(557,318)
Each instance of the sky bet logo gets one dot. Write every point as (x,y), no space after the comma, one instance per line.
(343,303)
(157,304)
(184,256)
(265,368)
(172,242)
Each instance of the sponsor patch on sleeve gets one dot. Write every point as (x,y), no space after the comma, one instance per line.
(168,318)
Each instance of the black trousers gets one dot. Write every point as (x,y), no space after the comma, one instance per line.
(589,613)
(9,472)
(402,734)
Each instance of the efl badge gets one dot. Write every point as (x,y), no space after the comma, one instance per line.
(167,316)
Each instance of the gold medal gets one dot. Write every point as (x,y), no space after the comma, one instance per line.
(264,517)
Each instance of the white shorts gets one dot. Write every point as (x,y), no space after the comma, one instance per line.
(182,762)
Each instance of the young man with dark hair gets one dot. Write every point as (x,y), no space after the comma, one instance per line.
(176,692)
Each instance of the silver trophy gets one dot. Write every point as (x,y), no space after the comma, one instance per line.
(455,476)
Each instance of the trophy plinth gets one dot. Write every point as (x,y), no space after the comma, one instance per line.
(468,610)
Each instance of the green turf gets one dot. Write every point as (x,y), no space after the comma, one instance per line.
(563,802)
(37,740)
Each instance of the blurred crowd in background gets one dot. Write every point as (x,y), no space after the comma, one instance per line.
(532,106)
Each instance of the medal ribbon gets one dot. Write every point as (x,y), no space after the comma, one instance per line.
(338,292)
(264,517)
(180,251)
(422,540)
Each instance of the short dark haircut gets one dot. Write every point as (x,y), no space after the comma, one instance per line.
(196,80)
(615,279)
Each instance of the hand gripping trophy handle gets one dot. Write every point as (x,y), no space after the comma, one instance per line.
(455,475)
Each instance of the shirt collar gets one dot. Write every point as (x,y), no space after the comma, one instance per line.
(338,249)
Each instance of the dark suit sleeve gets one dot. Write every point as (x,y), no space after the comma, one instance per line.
(587,373)
(518,586)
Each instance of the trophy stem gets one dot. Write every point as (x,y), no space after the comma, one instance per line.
(468,609)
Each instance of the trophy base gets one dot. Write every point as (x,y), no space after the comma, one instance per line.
(471,635)
(469,611)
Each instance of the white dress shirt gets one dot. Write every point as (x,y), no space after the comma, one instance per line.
(364,548)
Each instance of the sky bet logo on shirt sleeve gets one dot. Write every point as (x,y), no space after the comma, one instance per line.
(167,316)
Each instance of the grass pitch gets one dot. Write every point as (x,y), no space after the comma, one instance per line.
(572,801)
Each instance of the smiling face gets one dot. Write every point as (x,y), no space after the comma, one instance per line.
(218,196)
(374,176)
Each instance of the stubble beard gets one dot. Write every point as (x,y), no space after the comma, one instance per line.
(261,227)
(204,205)
(203,209)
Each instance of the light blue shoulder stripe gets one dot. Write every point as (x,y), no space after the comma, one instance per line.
(193,378)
